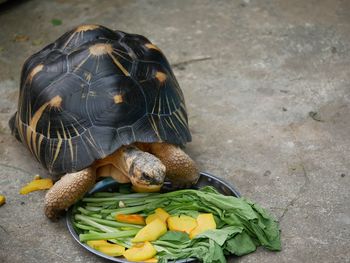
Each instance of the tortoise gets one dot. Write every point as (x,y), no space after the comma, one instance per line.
(98,103)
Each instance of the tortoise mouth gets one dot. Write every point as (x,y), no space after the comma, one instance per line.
(142,183)
(142,188)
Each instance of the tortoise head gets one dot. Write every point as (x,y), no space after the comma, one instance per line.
(129,164)
(146,172)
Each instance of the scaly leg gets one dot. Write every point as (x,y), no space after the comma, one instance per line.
(67,191)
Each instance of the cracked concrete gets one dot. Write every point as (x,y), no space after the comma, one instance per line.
(267,86)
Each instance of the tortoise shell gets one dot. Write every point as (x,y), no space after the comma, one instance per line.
(92,91)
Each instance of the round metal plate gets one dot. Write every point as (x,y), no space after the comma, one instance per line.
(110,185)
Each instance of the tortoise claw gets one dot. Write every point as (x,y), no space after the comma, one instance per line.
(52,213)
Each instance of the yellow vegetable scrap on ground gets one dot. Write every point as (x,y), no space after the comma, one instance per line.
(37,177)
(2,200)
(35,185)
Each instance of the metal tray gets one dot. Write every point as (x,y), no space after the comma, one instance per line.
(109,185)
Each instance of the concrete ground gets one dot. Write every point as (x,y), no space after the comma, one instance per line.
(267,86)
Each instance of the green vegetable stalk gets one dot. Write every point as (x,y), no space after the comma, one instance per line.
(242,224)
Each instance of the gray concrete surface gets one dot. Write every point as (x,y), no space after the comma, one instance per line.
(270,63)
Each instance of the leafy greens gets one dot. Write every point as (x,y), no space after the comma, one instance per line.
(241,224)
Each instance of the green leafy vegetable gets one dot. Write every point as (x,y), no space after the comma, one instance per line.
(241,224)
(110,235)
(175,237)
(240,244)
(56,22)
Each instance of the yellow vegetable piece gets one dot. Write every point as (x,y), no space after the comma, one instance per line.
(162,214)
(146,188)
(131,219)
(96,243)
(112,250)
(2,200)
(182,223)
(103,246)
(152,217)
(37,177)
(151,232)
(151,260)
(205,222)
(35,185)
(140,252)
(159,213)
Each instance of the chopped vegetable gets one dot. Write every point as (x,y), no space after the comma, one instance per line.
(182,223)
(159,213)
(213,225)
(56,22)
(109,235)
(151,260)
(112,250)
(151,232)
(204,222)
(146,189)
(37,42)
(132,219)
(140,252)
(2,200)
(152,217)
(35,185)
(37,177)
(96,243)
(20,38)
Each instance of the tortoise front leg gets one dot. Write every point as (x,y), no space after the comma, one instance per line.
(181,170)
(67,191)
